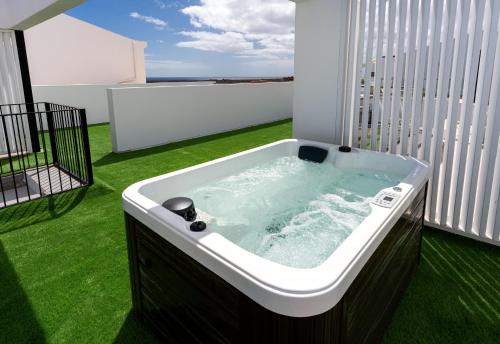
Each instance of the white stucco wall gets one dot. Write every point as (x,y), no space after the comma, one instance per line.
(320,38)
(149,116)
(93,98)
(65,50)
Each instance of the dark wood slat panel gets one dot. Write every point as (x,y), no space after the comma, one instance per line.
(165,271)
(264,326)
(130,227)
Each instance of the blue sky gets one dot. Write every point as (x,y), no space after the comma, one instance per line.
(208,38)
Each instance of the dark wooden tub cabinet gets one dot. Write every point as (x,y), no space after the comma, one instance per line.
(184,302)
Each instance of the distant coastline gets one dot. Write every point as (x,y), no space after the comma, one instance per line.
(221,80)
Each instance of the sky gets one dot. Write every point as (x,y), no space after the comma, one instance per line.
(203,38)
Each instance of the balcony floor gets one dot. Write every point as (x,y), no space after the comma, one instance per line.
(64,274)
(45,180)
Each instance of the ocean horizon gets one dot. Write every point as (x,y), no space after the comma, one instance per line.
(155,79)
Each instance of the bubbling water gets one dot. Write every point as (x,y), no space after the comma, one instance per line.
(290,211)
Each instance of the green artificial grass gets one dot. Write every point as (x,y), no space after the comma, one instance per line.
(455,295)
(64,273)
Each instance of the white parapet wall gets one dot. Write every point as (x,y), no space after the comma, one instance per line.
(92,98)
(142,117)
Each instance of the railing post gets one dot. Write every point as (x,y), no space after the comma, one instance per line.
(9,155)
(86,146)
(52,133)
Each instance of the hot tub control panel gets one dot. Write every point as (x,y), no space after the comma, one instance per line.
(386,199)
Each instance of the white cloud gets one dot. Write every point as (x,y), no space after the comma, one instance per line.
(173,68)
(167,4)
(261,29)
(156,22)
(246,16)
(226,42)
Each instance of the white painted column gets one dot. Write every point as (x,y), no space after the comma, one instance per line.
(320,41)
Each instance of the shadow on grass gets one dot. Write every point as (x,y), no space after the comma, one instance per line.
(133,331)
(112,158)
(40,210)
(454,296)
(45,209)
(18,323)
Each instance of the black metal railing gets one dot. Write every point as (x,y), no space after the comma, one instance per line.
(44,150)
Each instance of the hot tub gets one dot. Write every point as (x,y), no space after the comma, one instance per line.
(294,250)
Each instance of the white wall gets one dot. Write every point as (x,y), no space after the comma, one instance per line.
(149,116)
(93,98)
(65,50)
(320,38)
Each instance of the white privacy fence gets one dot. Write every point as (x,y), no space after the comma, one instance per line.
(11,88)
(423,78)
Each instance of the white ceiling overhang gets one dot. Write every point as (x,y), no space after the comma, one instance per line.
(23,14)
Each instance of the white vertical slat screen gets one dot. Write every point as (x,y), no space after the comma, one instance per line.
(423,78)
(11,89)
(378,71)
(399,56)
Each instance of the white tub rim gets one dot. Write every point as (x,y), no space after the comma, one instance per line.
(282,289)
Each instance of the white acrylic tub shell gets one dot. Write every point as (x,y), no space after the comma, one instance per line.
(281,289)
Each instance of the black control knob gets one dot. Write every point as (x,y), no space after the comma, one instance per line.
(198,226)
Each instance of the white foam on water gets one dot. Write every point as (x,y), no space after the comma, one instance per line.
(290,211)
